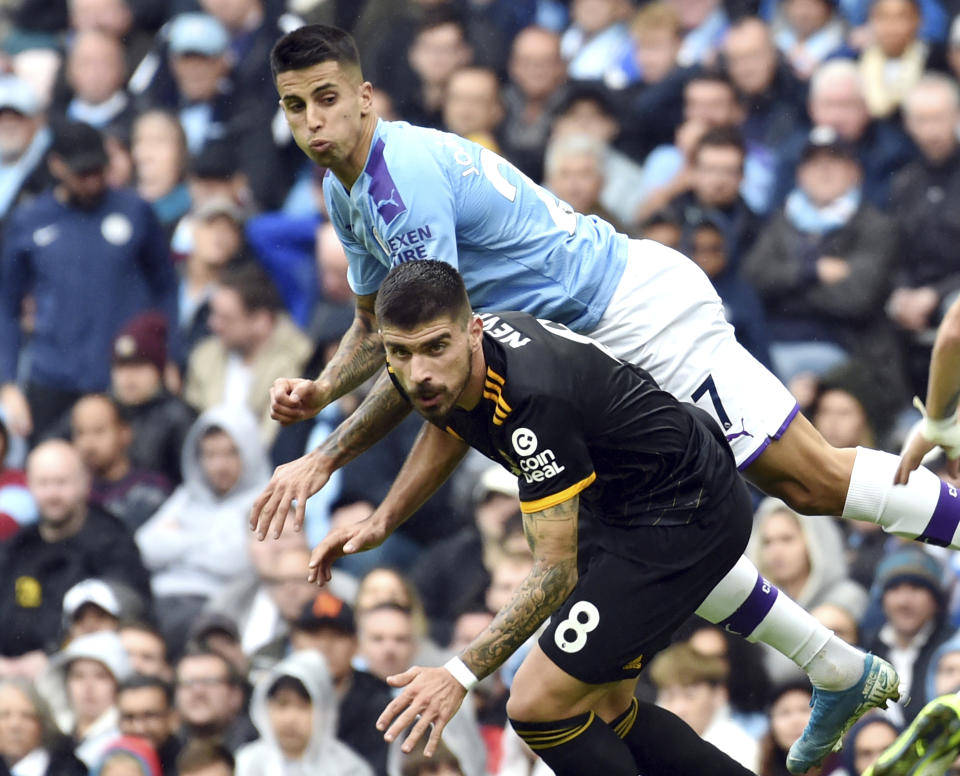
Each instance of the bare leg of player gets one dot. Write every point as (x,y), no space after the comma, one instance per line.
(579,728)
(815,478)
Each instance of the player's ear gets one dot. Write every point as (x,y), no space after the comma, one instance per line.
(366,98)
(475,331)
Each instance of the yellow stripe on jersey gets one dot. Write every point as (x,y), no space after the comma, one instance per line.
(453,433)
(623,727)
(494,376)
(493,390)
(529,507)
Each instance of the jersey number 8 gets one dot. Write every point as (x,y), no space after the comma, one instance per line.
(584,617)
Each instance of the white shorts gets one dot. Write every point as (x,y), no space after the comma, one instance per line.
(666,317)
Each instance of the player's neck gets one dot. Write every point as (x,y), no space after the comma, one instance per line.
(350,168)
(473,392)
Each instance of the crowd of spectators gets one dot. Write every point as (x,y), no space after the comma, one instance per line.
(165,255)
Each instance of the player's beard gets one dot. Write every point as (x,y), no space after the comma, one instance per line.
(439,414)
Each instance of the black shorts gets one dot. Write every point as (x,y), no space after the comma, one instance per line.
(625,608)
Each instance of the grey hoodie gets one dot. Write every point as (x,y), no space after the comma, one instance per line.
(196,542)
(324,754)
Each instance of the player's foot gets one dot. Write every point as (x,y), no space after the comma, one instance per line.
(928,746)
(835,711)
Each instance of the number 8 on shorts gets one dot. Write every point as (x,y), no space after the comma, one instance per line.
(584,617)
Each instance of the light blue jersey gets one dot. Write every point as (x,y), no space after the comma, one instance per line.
(425,194)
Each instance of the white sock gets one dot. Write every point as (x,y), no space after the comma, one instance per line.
(926,508)
(745,603)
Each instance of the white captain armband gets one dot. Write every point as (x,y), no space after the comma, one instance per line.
(461,673)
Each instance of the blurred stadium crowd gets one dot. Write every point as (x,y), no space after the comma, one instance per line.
(165,256)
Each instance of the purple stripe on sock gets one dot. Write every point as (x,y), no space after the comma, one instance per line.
(751,612)
(943,525)
(788,421)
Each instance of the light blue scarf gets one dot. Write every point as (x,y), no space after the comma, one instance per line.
(810,219)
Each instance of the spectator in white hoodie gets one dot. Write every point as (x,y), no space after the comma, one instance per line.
(295,709)
(196,542)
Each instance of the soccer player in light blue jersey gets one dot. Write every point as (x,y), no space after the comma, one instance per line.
(400,193)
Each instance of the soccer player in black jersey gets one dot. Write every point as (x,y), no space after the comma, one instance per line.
(584,433)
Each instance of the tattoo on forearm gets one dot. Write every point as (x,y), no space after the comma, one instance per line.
(545,588)
(359,355)
(379,413)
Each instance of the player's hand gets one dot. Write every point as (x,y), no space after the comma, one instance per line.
(17,409)
(296,399)
(344,540)
(916,448)
(288,490)
(433,695)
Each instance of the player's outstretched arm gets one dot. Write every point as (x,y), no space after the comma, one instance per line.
(296,481)
(434,693)
(432,459)
(358,356)
(943,395)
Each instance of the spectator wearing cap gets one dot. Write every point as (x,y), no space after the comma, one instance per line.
(145,704)
(910,583)
(327,625)
(96,74)
(836,99)
(159,154)
(128,756)
(83,681)
(158,420)
(102,437)
(924,198)
(30,741)
(72,541)
(17,507)
(24,141)
(823,268)
(217,241)
(253,343)
(78,242)
(94,605)
(194,544)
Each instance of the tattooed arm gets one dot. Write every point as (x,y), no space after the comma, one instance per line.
(377,415)
(431,696)
(358,356)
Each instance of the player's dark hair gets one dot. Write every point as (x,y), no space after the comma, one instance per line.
(419,291)
(287,682)
(140,682)
(312,44)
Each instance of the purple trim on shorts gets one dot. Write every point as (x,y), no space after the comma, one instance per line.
(943,524)
(751,612)
(788,421)
(763,445)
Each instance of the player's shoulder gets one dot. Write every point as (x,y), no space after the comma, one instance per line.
(404,143)
(525,355)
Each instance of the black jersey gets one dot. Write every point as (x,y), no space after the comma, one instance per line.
(567,417)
